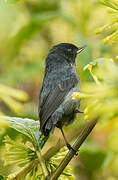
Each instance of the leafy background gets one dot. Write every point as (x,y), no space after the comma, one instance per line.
(28,29)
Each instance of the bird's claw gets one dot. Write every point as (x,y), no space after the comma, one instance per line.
(70,147)
(78,111)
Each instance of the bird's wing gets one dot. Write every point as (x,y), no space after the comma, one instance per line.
(55,98)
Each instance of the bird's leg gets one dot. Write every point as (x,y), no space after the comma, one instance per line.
(67,144)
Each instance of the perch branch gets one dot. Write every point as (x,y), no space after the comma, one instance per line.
(81,138)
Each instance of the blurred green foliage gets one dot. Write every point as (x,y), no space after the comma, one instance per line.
(101,100)
(113,4)
(28,29)
(9,96)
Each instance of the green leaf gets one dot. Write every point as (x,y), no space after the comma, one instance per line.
(100,69)
(105,27)
(28,127)
(9,96)
(17,153)
(94,158)
(110,4)
(2,177)
(111,38)
(43,6)
(22,155)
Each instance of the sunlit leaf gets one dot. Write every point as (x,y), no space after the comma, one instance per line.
(15,93)
(111,38)
(110,3)
(105,27)
(9,96)
(113,4)
(17,153)
(28,127)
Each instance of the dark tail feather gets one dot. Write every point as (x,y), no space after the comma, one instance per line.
(47,128)
(44,132)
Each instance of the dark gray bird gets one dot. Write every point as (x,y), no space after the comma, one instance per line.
(56,106)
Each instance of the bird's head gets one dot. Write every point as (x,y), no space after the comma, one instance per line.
(68,51)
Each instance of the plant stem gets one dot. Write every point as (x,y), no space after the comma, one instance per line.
(24,171)
(81,138)
(42,163)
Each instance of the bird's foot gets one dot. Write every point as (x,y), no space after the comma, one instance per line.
(78,111)
(70,147)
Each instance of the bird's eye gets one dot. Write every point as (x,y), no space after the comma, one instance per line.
(69,50)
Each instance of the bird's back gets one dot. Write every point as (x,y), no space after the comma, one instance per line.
(56,102)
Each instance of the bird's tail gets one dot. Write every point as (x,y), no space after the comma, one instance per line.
(44,132)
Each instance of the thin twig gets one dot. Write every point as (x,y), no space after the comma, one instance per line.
(81,138)
(42,163)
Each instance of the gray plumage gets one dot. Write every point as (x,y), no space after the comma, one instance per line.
(56,106)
